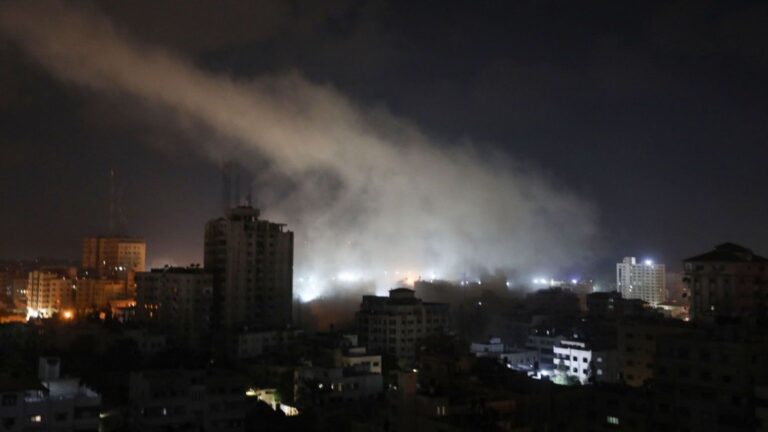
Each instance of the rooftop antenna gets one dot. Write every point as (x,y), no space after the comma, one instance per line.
(112,204)
(117,220)
(236,186)
(249,191)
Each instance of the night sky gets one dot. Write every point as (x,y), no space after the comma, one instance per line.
(654,113)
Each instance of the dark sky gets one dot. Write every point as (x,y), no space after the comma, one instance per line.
(655,112)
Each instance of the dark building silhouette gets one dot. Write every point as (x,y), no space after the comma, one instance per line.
(730,281)
(251,261)
(395,325)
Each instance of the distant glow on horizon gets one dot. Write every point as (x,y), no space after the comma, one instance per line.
(649,262)
(315,284)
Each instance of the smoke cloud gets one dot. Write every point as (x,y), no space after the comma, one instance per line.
(370,196)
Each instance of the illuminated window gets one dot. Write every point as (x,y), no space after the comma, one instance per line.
(612,420)
(36,419)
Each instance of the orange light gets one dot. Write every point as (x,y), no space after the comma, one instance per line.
(68,315)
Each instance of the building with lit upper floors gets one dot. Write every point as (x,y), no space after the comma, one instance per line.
(107,255)
(395,325)
(645,281)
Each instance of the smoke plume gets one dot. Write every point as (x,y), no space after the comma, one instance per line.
(369,195)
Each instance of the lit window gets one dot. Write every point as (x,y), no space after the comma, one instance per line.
(612,420)
(36,419)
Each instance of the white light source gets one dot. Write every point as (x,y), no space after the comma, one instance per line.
(649,262)
(307,293)
(346,276)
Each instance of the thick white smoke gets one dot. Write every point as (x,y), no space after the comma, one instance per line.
(370,192)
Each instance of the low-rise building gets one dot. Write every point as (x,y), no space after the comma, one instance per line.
(360,360)
(543,339)
(149,343)
(612,305)
(493,348)
(51,403)
(254,343)
(189,400)
(585,361)
(343,372)
(514,358)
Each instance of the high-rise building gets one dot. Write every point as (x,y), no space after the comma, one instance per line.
(396,324)
(116,258)
(178,301)
(108,255)
(730,281)
(49,291)
(93,294)
(645,281)
(251,261)
(19,292)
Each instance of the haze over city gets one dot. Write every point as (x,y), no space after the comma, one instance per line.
(239,216)
(451,155)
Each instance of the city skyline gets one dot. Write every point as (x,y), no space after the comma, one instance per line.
(383,215)
(624,210)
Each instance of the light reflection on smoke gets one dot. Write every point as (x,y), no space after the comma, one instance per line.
(366,193)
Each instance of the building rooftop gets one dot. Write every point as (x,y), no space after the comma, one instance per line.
(604,295)
(728,252)
(179,270)
(14,384)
